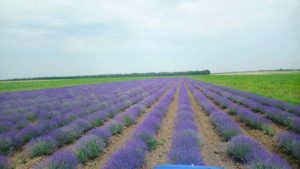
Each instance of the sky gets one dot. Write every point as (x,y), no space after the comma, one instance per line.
(88,37)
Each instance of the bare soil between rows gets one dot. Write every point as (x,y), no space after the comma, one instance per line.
(213,148)
(164,137)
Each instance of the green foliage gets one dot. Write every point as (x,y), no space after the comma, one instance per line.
(151,142)
(292,148)
(97,122)
(116,129)
(42,148)
(5,146)
(31,116)
(278,86)
(232,111)
(229,134)
(239,152)
(9,86)
(267,129)
(128,121)
(90,149)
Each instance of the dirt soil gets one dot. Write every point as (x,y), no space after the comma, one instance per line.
(213,148)
(116,142)
(164,137)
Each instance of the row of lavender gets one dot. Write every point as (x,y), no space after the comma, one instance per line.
(20,108)
(291,121)
(289,142)
(63,124)
(86,101)
(31,100)
(264,100)
(241,147)
(246,115)
(132,153)
(92,144)
(47,144)
(186,141)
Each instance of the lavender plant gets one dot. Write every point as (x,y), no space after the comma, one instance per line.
(89,147)
(186,140)
(247,150)
(290,144)
(4,162)
(63,160)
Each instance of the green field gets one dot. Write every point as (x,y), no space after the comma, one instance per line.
(9,86)
(284,87)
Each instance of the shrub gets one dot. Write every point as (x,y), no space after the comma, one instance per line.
(42,146)
(89,148)
(255,121)
(31,116)
(5,145)
(227,135)
(273,162)
(150,141)
(290,143)
(21,124)
(102,133)
(63,160)
(267,129)
(128,121)
(97,122)
(129,156)
(116,128)
(64,136)
(244,149)
(4,162)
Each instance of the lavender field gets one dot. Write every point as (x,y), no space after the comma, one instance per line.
(144,123)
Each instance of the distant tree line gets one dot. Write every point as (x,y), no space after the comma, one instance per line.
(197,72)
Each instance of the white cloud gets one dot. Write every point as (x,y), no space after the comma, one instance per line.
(156,28)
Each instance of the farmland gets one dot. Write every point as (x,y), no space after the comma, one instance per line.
(21,85)
(144,123)
(277,86)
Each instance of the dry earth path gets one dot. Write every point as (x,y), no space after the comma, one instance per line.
(164,137)
(213,148)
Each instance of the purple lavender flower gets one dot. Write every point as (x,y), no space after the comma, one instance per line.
(6,144)
(225,125)
(273,162)
(185,148)
(89,147)
(4,162)
(103,133)
(63,160)
(132,154)
(255,121)
(245,149)
(290,143)
(129,156)
(186,141)
(44,145)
